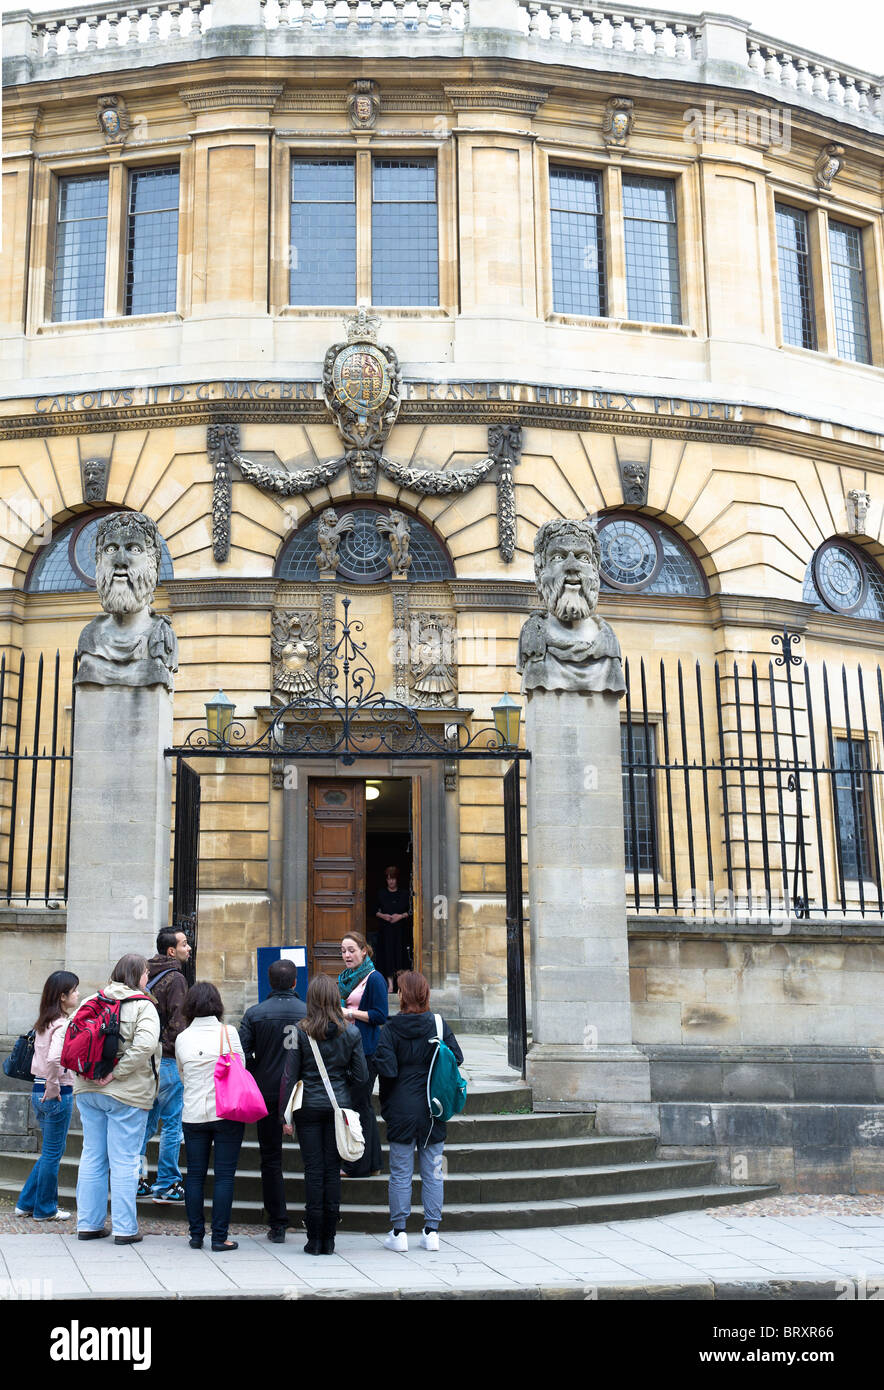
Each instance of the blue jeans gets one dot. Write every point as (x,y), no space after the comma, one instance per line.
(166,1108)
(227,1136)
(401,1174)
(112,1135)
(39,1195)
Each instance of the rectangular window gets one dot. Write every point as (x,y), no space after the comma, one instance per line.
(404,232)
(849,292)
(323,232)
(651,241)
(637,749)
(152,242)
(796,291)
(578,242)
(80,248)
(852,792)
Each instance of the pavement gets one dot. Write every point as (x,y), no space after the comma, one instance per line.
(696,1255)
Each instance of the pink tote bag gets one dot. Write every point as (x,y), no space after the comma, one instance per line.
(236,1092)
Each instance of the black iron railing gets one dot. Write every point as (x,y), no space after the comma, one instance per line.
(754,793)
(36,734)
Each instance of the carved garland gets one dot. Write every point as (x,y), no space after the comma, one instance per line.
(223,443)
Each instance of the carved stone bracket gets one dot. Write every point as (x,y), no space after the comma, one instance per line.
(858,502)
(617,124)
(634,481)
(94,474)
(829,163)
(113,120)
(223,444)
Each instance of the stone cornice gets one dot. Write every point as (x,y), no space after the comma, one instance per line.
(494,98)
(501,595)
(221,593)
(216,97)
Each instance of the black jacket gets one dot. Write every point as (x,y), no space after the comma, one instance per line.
(263,1033)
(403,1059)
(344,1061)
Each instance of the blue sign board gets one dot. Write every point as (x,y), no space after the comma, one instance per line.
(268,954)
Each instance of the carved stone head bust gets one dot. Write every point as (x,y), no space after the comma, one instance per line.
(565,646)
(129,644)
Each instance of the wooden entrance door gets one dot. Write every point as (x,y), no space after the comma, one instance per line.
(336,870)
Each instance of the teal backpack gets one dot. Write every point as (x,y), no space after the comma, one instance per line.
(446,1088)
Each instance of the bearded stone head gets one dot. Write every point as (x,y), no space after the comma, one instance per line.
(127,562)
(566,568)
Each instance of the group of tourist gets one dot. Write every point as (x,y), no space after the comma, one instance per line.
(327,1051)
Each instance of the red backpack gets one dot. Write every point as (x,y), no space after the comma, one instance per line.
(92,1040)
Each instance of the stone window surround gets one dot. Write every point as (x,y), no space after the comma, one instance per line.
(819,210)
(362,147)
(42,255)
(689,224)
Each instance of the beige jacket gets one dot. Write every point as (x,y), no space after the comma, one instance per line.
(136,1075)
(197,1049)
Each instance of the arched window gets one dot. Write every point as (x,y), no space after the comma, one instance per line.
(66,563)
(842,579)
(363,551)
(642,557)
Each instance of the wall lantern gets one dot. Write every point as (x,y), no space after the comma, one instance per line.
(507,718)
(219,717)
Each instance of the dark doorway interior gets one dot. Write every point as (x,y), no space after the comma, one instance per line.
(388,842)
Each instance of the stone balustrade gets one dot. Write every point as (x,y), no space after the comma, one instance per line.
(709,48)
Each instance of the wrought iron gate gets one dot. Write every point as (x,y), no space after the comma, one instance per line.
(185,879)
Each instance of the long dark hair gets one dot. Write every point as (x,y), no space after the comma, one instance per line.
(59,982)
(323,1008)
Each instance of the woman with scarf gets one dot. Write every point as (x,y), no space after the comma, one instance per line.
(363,992)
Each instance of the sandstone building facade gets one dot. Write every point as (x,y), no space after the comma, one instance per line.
(635,265)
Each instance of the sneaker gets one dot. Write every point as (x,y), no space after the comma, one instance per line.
(20,1211)
(145,1188)
(56,1216)
(175,1193)
(397,1240)
(430,1240)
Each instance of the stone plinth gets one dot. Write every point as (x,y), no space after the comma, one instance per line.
(583,1055)
(118,887)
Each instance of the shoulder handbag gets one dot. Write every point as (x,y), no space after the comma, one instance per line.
(236,1091)
(296,1099)
(348,1126)
(18,1064)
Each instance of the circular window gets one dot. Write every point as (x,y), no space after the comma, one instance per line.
(67,563)
(362,553)
(631,553)
(841,580)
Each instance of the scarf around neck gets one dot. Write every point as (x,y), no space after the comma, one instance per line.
(349,979)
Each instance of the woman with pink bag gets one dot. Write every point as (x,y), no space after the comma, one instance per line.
(197,1050)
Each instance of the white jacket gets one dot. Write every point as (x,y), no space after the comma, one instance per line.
(197,1049)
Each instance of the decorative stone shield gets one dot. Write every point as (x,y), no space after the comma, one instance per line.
(361,378)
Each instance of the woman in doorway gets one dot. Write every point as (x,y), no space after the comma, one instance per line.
(340,1047)
(403,1060)
(363,992)
(197,1049)
(52,1097)
(393,911)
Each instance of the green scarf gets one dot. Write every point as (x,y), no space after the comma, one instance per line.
(349,979)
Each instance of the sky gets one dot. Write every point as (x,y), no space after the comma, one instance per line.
(849,31)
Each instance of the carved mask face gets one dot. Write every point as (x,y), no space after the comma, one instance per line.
(569,579)
(125,573)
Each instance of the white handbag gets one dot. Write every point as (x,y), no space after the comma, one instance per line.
(348,1126)
(296,1099)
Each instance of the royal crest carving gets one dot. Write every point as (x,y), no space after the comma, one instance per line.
(617,123)
(363,104)
(566,645)
(294,649)
(362,384)
(113,119)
